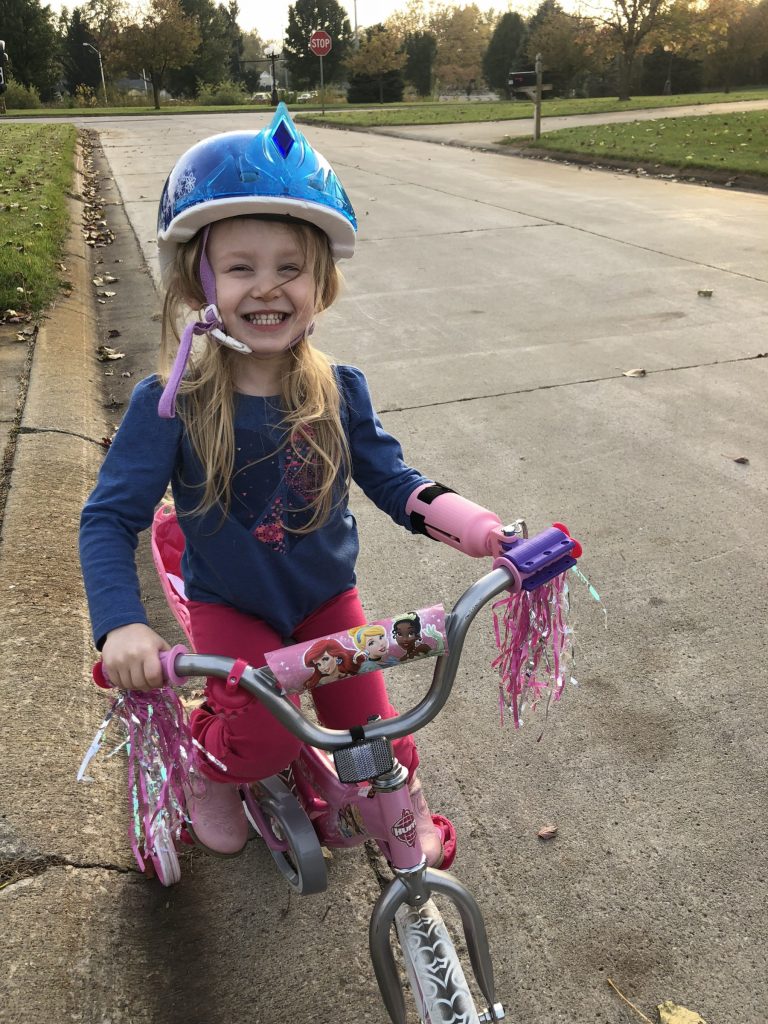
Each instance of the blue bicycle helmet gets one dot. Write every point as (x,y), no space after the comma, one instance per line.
(273,171)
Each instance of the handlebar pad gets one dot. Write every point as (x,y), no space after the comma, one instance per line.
(444,515)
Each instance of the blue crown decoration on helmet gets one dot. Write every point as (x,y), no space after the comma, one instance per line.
(274,168)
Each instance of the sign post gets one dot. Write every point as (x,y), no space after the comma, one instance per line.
(320,43)
(537,101)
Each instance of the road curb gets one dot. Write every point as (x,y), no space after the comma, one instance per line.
(50,713)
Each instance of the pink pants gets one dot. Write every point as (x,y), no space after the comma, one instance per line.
(238,731)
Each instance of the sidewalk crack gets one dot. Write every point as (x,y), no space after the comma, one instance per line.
(567,384)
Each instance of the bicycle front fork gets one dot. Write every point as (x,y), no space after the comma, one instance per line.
(414,886)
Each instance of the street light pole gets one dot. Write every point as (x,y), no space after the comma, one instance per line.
(101,69)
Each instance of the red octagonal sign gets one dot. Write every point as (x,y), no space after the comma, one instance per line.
(320,43)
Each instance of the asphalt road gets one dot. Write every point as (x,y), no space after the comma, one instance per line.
(495,304)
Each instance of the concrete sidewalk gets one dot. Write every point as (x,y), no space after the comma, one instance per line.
(487,135)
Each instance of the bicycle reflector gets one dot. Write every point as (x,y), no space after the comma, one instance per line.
(363,761)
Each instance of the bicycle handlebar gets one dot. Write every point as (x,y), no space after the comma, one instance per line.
(262,684)
(523,564)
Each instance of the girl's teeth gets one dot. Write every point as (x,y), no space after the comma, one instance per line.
(265,318)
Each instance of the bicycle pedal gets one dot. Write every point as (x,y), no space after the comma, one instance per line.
(487,1015)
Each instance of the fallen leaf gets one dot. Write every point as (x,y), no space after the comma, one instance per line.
(105,353)
(705,293)
(742,460)
(671,1013)
(634,373)
(547,832)
(113,333)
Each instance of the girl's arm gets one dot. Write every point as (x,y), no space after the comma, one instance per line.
(132,480)
(413,501)
(378,467)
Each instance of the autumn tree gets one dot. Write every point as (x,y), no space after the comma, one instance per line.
(378,59)
(505,51)
(30,36)
(106,20)
(570,48)
(630,22)
(252,59)
(304,18)
(164,37)
(217,53)
(462,34)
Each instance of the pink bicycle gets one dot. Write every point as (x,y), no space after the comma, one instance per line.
(346,787)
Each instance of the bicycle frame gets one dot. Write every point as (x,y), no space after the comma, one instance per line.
(383,803)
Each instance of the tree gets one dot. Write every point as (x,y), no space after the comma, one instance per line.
(164,37)
(106,20)
(570,48)
(212,60)
(379,58)
(31,42)
(462,35)
(80,64)
(253,50)
(505,51)
(630,22)
(420,54)
(304,18)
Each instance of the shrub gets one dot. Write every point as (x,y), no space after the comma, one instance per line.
(21,97)
(224,94)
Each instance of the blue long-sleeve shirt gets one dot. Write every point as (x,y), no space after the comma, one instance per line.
(248,560)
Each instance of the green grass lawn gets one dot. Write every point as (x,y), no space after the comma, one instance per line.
(736,142)
(456,113)
(36,163)
(393,114)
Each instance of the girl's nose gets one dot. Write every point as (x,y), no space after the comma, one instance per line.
(267,285)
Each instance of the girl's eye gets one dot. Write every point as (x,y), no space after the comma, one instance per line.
(240,268)
(290,268)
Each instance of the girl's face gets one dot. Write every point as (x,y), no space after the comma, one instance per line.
(264,288)
(376,647)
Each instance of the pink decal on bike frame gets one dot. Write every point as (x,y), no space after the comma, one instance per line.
(366,648)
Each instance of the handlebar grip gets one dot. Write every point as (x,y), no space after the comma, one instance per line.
(167,665)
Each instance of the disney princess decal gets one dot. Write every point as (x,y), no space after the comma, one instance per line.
(329,661)
(372,646)
(407,632)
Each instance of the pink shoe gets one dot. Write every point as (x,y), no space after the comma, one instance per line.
(436,833)
(216,815)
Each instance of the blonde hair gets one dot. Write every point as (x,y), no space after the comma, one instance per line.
(361,634)
(309,390)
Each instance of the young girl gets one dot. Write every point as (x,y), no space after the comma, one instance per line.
(259,436)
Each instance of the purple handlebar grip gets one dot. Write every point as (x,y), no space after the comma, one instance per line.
(540,558)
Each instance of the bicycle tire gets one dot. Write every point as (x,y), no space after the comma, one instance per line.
(302,864)
(434,971)
(164,858)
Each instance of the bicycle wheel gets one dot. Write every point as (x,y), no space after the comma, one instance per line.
(163,856)
(302,863)
(434,971)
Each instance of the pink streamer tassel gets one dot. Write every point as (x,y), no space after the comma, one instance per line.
(535,645)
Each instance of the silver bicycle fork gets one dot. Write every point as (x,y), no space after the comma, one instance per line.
(414,887)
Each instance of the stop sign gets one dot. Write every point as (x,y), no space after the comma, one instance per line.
(320,43)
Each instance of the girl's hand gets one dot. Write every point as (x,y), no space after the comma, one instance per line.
(130,657)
